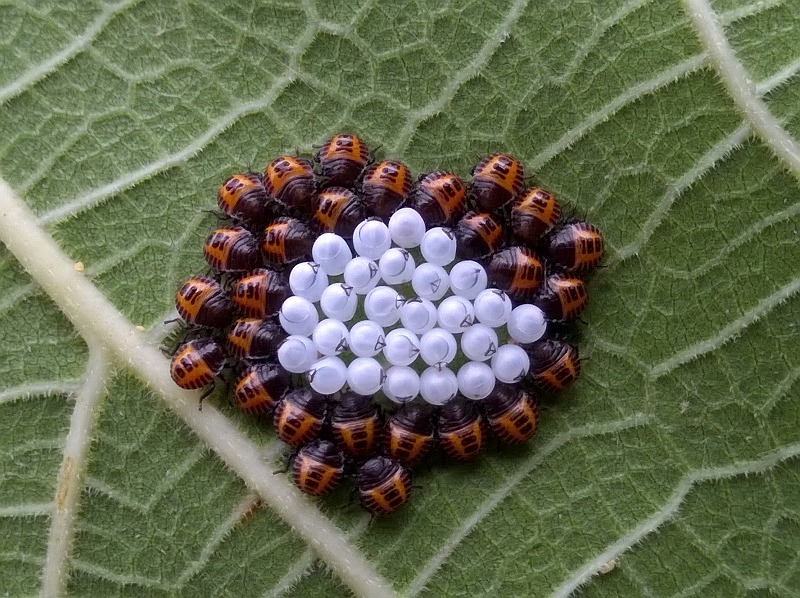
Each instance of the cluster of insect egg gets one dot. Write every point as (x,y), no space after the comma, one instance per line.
(289,255)
(428,331)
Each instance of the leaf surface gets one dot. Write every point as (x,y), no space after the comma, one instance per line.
(670,466)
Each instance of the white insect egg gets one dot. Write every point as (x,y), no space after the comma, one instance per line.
(402,347)
(439,246)
(308,280)
(468,278)
(339,301)
(367,338)
(479,342)
(362,274)
(396,266)
(527,324)
(510,364)
(382,305)
(475,380)
(332,253)
(493,307)
(418,315)
(297,354)
(430,281)
(438,346)
(298,316)
(438,385)
(456,314)
(371,238)
(330,337)
(327,375)
(402,384)
(406,228)
(365,376)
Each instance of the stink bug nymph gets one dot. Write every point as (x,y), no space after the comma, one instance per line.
(385,186)
(318,467)
(554,364)
(461,430)
(290,180)
(196,363)
(232,249)
(254,339)
(243,198)
(511,413)
(339,211)
(478,235)
(409,434)
(562,298)
(440,197)
(534,214)
(496,180)
(577,246)
(356,425)
(517,271)
(383,485)
(260,293)
(341,159)
(287,240)
(299,416)
(201,301)
(260,387)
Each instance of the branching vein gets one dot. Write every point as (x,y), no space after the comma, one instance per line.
(739,85)
(95,317)
(70,477)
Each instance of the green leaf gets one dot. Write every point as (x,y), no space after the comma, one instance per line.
(669,468)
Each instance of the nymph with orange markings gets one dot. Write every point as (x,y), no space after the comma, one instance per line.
(201,301)
(260,293)
(383,485)
(356,425)
(318,467)
(461,430)
(554,364)
(299,417)
(478,235)
(562,298)
(254,339)
(496,180)
(243,198)
(517,271)
(409,435)
(259,388)
(577,246)
(341,159)
(197,363)
(385,186)
(232,249)
(287,240)
(511,413)
(339,211)
(290,180)
(534,214)
(439,197)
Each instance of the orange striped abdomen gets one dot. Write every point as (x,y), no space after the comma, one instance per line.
(196,363)
(535,214)
(496,180)
(318,468)
(389,496)
(357,438)
(464,443)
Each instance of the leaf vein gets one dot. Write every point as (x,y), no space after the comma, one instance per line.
(671,507)
(82,41)
(418,584)
(739,85)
